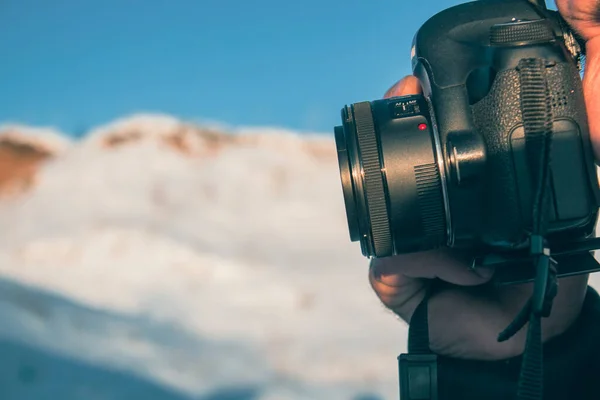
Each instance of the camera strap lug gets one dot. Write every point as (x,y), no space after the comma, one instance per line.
(418,369)
(418,376)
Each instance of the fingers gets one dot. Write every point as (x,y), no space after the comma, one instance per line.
(582,15)
(405,86)
(445,264)
(400,281)
(397,292)
(466,325)
(591,90)
(465,322)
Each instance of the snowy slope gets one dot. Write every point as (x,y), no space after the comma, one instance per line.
(159,260)
(197,261)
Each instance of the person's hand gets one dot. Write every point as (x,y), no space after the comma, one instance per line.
(465,322)
(584,17)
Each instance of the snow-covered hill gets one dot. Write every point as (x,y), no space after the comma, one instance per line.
(160,260)
(207,263)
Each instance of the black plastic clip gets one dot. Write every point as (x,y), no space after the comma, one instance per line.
(418,376)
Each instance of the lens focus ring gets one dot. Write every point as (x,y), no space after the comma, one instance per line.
(373,180)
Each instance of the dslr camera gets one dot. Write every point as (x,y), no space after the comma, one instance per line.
(457,165)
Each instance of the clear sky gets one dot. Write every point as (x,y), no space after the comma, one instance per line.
(74,64)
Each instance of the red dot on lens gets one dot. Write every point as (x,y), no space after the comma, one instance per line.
(422,127)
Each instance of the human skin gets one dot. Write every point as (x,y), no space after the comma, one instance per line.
(464,322)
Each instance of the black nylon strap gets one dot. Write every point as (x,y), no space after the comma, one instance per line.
(418,369)
(537,121)
(418,330)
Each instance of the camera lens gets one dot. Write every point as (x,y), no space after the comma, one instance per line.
(347,184)
(391,180)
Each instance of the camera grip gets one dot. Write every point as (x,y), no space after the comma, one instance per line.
(508,195)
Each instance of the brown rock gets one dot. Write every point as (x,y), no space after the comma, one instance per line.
(19,163)
(122,138)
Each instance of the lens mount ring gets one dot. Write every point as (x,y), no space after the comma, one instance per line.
(439,159)
(373,183)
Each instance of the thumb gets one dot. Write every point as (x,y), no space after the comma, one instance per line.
(404,87)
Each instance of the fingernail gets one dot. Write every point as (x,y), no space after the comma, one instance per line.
(484,272)
(379,268)
(375,268)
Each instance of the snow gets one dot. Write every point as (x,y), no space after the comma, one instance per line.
(138,271)
(45,139)
(199,275)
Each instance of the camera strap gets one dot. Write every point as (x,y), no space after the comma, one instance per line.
(418,368)
(536,108)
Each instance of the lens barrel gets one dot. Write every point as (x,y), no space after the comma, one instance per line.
(390,176)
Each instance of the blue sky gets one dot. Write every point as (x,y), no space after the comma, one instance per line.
(74,64)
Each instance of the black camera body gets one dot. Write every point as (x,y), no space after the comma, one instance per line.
(450,167)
